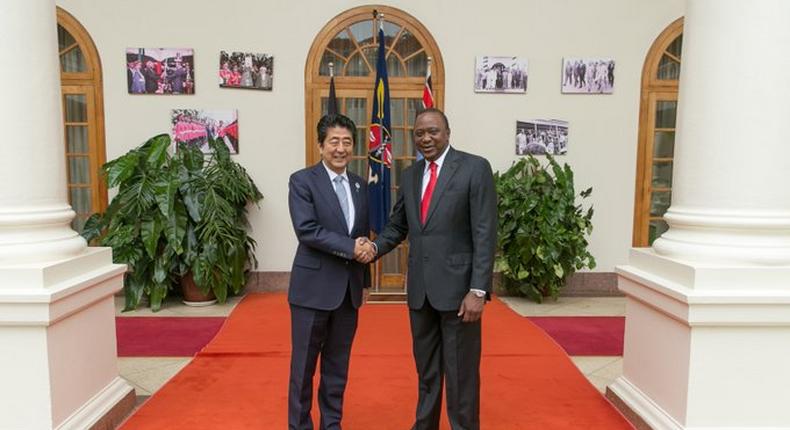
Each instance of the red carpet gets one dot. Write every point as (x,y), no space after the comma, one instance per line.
(164,336)
(239,380)
(585,335)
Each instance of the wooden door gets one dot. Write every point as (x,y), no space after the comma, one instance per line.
(390,271)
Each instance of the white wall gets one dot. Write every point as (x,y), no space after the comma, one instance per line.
(603,135)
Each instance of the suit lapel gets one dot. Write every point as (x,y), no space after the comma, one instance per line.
(449,167)
(353,182)
(419,172)
(328,191)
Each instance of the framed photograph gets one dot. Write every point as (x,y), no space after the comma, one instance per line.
(541,137)
(246,70)
(500,75)
(195,126)
(587,76)
(160,71)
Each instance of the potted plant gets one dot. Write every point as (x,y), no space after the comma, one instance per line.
(218,251)
(541,231)
(177,217)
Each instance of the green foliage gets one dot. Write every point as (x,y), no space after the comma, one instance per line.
(176,214)
(541,231)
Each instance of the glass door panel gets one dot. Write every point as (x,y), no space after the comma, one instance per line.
(82,165)
(657,184)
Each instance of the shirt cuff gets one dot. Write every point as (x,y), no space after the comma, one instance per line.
(476,290)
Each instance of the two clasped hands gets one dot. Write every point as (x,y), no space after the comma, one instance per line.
(364,250)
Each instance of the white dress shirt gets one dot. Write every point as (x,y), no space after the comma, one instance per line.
(347,188)
(426,174)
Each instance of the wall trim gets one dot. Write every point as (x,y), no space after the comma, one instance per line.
(582,284)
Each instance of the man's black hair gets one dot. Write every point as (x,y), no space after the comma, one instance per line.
(431,109)
(335,120)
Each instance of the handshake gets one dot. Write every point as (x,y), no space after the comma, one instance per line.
(364,250)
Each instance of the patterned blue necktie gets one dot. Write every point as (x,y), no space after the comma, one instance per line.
(342,197)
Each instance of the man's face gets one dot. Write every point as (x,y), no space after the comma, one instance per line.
(430,135)
(336,149)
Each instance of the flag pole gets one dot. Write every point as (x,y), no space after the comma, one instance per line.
(332,101)
(428,69)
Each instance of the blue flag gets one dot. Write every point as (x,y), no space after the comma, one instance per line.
(380,146)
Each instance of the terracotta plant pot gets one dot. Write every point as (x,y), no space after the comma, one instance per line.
(192,294)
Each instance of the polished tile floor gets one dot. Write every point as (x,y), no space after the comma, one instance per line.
(147,374)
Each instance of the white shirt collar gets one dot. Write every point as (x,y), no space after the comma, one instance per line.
(439,161)
(332,173)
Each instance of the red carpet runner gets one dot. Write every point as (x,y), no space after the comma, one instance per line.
(239,380)
(164,336)
(580,336)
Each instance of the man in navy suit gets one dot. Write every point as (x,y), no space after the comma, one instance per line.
(329,208)
(447,209)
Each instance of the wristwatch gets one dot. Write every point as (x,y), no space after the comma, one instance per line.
(478,293)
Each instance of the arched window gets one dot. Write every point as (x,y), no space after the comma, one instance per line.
(660,77)
(349,41)
(83,117)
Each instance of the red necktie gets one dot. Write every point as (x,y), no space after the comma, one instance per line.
(426,198)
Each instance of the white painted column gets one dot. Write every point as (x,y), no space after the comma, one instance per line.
(35,215)
(708,308)
(731,199)
(57,329)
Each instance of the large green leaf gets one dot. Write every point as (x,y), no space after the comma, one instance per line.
(120,169)
(165,194)
(133,291)
(175,227)
(93,227)
(157,295)
(192,202)
(157,150)
(150,231)
(192,157)
(161,267)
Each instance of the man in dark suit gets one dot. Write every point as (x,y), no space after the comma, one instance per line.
(447,208)
(329,208)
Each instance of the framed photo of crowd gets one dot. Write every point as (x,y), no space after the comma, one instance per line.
(500,74)
(195,126)
(587,76)
(246,70)
(541,137)
(160,71)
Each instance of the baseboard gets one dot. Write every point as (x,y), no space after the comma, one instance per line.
(638,408)
(260,282)
(628,413)
(582,284)
(105,411)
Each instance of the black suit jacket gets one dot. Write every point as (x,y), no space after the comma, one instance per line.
(454,251)
(324,265)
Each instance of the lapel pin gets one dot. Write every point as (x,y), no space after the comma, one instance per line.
(356,184)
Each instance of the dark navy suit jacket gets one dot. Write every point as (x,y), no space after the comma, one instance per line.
(324,266)
(454,250)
